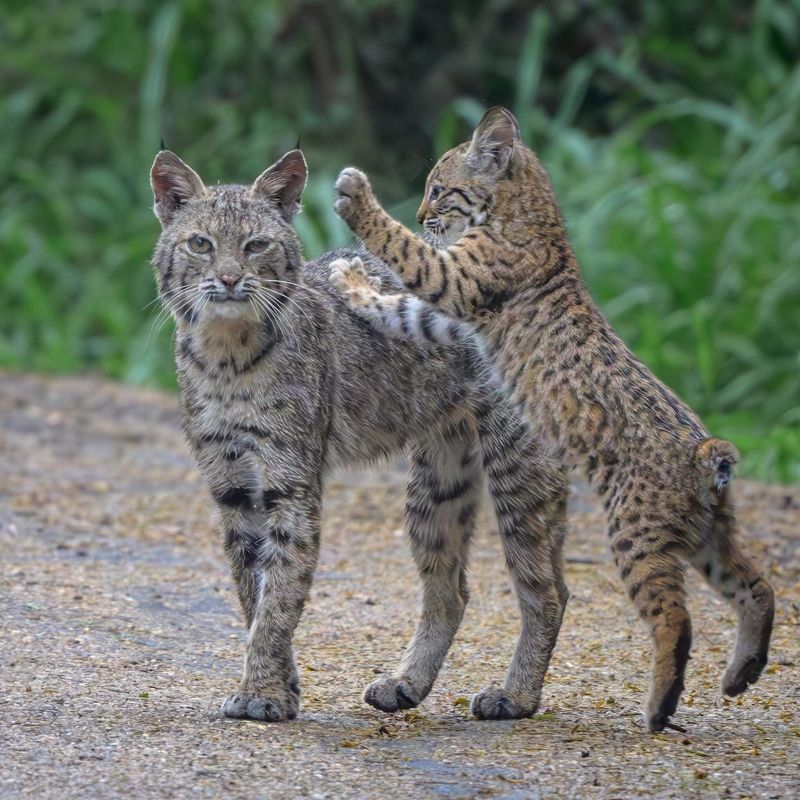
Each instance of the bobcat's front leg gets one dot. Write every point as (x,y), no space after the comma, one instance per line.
(272,541)
(360,290)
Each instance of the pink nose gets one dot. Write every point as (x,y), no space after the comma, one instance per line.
(229,280)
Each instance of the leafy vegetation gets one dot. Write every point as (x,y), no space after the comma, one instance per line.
(671,132)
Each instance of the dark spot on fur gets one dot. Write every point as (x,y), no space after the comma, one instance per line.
(280,536)
(234,497)
(270,497)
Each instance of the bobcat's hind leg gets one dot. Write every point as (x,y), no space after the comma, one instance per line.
(728,570)
(653,573)
(530,501)
(443,495)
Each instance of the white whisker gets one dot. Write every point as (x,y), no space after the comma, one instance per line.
(292,283)
(286,297)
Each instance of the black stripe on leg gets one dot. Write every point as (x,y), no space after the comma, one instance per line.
(435,297)
(242,548)
(670,702)
(402,307)
(426,319)
(454,492)
(235,497)
(270,497)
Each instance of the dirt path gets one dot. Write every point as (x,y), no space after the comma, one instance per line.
(119,637)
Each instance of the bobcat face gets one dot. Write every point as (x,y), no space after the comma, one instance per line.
(456,197)
(460,188)
(237,264)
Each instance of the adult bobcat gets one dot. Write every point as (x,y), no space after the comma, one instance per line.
(507,264)
(280,382)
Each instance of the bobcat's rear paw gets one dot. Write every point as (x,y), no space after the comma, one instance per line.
(350,279)
(391,694)
(752,641)
(269,706)
(496,703)
(657,713)
(741,674)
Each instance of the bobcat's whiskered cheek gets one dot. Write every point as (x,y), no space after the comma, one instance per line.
(453,227)
(182,302)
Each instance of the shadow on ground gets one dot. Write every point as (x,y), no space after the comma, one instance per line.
(119,637)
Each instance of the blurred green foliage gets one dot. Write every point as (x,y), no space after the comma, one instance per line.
(670,129)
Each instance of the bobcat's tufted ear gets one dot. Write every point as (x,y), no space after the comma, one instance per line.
(492,144)
(284,182)
(173,182)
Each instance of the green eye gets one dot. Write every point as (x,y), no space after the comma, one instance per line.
(199,244)
(257,246)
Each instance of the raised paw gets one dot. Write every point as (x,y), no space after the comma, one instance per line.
(350,279)
(267,706)
(752,640)
(391,694)
(497,703)
(353,194)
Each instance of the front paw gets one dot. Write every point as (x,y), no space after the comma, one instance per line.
(353,195)
(351,280)
(267,705)
(497,703)
(392,694)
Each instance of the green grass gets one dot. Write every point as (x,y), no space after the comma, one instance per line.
(676,159)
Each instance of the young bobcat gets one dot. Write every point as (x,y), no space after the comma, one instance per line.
(280,382)
(507,265)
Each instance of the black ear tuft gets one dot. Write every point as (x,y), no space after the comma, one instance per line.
(297,146)
(163,146)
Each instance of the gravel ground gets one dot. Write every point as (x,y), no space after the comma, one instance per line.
(120,636)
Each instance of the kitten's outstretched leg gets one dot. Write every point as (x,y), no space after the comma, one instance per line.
(400,316)
(350,278)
